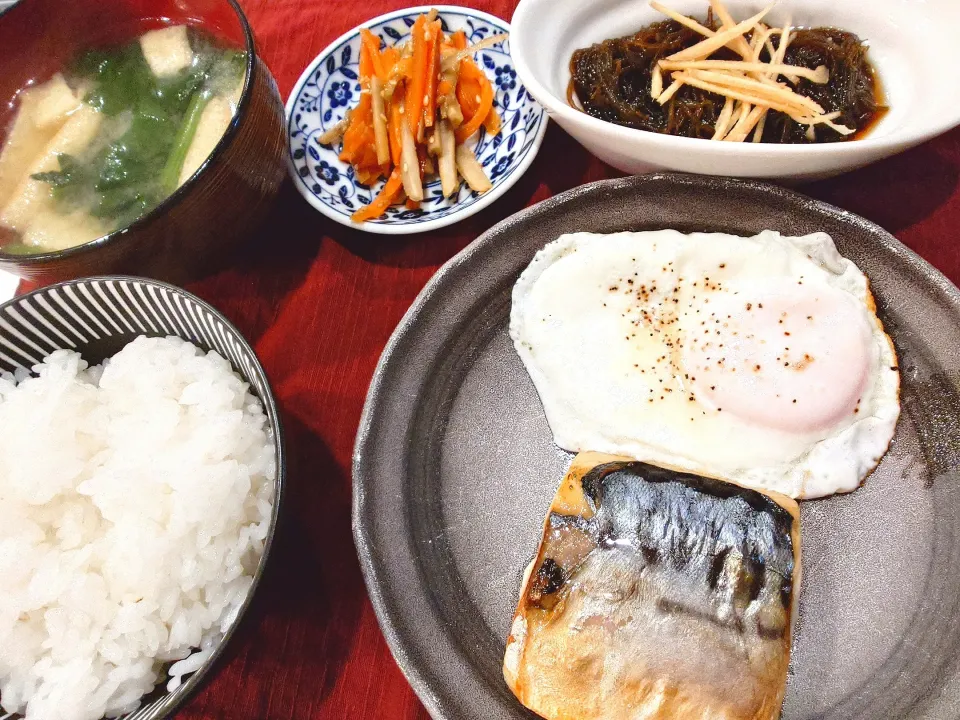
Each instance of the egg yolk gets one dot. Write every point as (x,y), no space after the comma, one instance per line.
(792,359)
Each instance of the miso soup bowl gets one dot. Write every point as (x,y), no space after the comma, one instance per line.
(193,231)
(912,46)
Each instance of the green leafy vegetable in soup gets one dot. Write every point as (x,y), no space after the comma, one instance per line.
(108,140)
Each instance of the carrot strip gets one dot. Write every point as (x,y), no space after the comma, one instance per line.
(370,44)
(412,204)
(433,73)
(469,69)
(414,100)
(469,87)
(366,65)
(389,56)
(382,201)
(468,94)
(368,177)
(484,107)
(492,122)
(359,133)
(393,130)
(459,40)
(404,67)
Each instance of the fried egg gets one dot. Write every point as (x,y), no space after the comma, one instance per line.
(756,360)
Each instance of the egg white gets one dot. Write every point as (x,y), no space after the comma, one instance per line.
(614,329)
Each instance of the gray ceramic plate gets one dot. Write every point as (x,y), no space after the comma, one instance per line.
(454,470)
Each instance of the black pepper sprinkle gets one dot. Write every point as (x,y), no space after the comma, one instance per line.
(749,306)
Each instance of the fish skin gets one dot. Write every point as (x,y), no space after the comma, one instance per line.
(656,594)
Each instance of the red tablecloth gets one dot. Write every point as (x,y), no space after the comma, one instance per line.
(319,301)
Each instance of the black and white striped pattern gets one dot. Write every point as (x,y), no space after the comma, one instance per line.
(97,317)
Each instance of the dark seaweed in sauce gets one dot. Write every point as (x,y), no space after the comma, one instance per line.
(612,82)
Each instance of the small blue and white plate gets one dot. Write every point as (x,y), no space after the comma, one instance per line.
(330,85)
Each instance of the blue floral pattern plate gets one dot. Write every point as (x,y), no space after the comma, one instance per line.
(329,86)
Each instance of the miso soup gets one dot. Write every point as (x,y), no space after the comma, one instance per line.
(106,140)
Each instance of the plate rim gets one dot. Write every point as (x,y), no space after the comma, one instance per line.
(427,225)
(370,566)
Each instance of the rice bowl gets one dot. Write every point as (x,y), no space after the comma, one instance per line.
(137,498)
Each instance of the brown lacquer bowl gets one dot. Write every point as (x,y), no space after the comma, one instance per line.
(190,232)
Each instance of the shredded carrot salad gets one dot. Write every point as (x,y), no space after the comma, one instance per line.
(419,103)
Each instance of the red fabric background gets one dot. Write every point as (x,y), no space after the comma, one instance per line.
(319,302)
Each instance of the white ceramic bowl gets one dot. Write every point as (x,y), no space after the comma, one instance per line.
(913,45)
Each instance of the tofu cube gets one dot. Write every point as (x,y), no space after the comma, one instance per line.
(167,50)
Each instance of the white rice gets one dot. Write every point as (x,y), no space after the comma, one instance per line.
(135,499)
